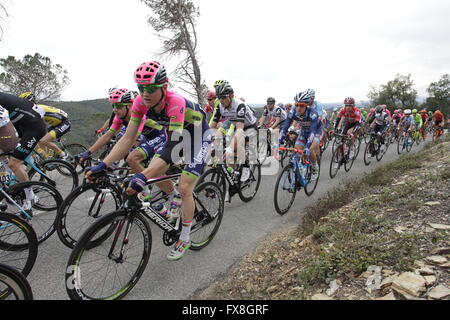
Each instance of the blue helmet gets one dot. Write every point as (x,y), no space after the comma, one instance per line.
(311,93)
(302,97)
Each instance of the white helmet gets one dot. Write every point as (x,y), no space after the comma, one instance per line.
(408,112)
(4,117)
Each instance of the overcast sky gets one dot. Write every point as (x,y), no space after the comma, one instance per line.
(264,48)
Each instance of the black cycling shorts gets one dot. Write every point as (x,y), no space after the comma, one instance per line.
(31,132)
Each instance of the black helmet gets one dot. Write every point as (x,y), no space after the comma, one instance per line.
(379,109)
(223,89)
(271,100)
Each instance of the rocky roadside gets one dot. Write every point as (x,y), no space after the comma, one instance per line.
(389,242)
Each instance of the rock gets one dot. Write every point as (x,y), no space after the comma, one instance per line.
(400,229)
(321,296)
(387,282)
(445,265)
(374,281)
(438,226)
(430,280)
(426,270)
(272,289)
(437,259)
(307,241)
(439,292)
(334,286)
(409,284)
(389,296)
(432,203)
(419,263)
(439,251)
(400,183)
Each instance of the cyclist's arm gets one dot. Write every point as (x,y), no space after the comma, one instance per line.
(315,129)
(286,126)
(124,145)
(102,141)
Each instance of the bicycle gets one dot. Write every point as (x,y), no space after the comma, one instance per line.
(437,133)
(122,240)
(374,148)
(18,242)
(295,176)
(71,150)
(341,155)
(289,143)
(54,172)
(404,142)
(39,211)
(14,284)
(228,178)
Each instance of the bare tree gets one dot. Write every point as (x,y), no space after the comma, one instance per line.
(3,16)
(175,21)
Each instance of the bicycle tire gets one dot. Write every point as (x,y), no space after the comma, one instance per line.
(16,284)
(43,221)
(18,242)
(336,158)
(367,152)
(254,168)
(77,268)
(72,221)
(348,164)
(401,144)
(289,174)
(310,188)
(205,215)
(215,175)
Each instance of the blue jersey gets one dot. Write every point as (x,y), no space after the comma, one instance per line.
(309,122)
(318,107)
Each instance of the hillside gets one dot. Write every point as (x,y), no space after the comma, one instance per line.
(384,236)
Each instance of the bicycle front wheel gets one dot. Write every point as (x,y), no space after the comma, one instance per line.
(336,161)
(209,207)
(110,269)
(285,190)
(43,211)
(85,205)
(13,284)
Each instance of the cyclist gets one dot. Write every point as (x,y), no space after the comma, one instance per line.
(243,117)
(278,114)
(424,115)
(57,122)
(211,98)
(30,128)
(288,107)
(438,120)
(417,120)
(349,117)
(379,123)
(407,123)
(151,136)
(183,120)
(310,129)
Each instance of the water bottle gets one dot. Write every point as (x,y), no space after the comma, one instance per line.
(230,170)
(161,209)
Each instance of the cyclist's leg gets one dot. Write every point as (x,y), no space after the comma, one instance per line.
(35,131)
(56,133)
(146,150)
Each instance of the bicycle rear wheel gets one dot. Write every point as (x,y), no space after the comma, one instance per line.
(285,190)
(18,243)
(249,188)
(85,205)
(368,153)
(312,185)
(13,284)
(215,175)
(209,207)
(113,266)
(43,211)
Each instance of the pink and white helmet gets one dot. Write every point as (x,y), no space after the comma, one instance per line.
(121,96)
(151,72)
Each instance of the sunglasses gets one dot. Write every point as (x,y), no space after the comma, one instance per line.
(349,105)
(211,99)
(149,88)
(119,106)
(301,104)
(222,97)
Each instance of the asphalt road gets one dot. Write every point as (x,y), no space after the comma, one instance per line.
(243,227)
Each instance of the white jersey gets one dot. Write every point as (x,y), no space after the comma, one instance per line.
(277,112)
(239,111)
